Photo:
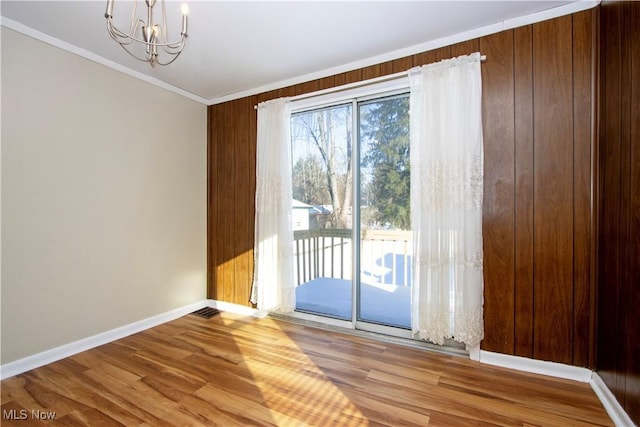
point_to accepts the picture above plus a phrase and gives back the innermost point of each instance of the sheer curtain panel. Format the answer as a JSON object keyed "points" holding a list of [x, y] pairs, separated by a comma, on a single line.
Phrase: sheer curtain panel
{"points": [[446, 154], [273, 287]]}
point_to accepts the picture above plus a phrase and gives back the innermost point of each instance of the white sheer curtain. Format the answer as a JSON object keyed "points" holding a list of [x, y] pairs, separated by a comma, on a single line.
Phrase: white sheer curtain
{"points": [[273, 287], [446, 200]]}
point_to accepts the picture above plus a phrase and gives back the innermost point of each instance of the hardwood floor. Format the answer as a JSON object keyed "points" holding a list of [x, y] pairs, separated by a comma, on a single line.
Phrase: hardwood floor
{"points": [[234, 370]]}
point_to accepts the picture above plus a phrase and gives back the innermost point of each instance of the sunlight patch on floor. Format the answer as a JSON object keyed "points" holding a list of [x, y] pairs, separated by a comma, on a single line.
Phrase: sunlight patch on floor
{"points": [[296, 382]]}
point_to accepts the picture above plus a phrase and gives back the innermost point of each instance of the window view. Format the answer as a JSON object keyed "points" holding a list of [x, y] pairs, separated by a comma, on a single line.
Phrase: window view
{"points": [[325, 169], [322, 210], [385, 212]]}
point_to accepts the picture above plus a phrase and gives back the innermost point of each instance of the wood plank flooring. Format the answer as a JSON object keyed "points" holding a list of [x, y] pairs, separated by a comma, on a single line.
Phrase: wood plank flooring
{"points": [[233, 370]]}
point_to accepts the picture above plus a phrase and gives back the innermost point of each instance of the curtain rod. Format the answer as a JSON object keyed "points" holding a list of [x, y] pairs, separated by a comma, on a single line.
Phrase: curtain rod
{"points": [[348, 86]]}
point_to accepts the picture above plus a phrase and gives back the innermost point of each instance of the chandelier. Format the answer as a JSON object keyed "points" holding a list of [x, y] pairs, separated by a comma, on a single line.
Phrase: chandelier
{"points": [[147, 41]]}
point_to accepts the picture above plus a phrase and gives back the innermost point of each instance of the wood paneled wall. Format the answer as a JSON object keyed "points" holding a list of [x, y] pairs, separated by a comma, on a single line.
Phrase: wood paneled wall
{"points": [[618, 361], [538, 108], [538, 132]]}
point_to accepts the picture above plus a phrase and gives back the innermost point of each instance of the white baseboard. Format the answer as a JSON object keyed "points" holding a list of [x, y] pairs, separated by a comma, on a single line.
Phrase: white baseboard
{"points": [[542, 367], [610, 403], [559, 370], [31, 362]]}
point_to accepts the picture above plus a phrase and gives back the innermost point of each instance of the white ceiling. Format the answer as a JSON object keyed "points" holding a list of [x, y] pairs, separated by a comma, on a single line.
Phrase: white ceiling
{"points": [[243, 47]]}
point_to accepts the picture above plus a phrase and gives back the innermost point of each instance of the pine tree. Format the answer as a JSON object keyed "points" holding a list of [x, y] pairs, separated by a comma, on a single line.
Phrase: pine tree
{"points": [[385, 126]]}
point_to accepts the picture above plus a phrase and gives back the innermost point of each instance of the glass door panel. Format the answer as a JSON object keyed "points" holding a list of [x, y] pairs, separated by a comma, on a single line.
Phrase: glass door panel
{"points": [[321, 148], [384, 288]]}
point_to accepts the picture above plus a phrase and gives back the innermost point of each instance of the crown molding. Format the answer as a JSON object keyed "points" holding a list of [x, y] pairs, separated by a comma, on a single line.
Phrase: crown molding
{"points": [[544, 15], [45, 38]]}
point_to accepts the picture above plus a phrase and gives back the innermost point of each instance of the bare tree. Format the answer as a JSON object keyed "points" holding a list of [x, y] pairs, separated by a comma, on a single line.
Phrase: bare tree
{"points": [[335, 153], [310, 182]]}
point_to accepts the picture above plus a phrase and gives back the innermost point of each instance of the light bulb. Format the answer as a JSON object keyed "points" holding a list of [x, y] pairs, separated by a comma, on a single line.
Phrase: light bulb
{"points": [[185, 12]]}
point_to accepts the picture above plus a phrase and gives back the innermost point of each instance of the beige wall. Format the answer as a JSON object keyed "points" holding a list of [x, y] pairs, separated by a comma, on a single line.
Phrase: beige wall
{"points": [[103, 198]]}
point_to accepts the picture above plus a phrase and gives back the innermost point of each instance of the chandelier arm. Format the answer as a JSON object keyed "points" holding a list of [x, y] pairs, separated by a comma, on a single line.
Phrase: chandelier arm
{"points": [[163, 33], [120, 36], [173, 54], [145, 59], [122, 41], [120, 33], [173, 50], [173, 58]]}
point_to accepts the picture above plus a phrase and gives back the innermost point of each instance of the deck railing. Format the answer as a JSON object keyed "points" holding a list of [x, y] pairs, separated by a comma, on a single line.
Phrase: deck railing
{"points": [[385, 255], [321, 253]]}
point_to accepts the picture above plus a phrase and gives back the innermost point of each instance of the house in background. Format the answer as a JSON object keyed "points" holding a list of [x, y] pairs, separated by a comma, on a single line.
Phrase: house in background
{"points": [[300, 215], [308, 217], [106, 219]]}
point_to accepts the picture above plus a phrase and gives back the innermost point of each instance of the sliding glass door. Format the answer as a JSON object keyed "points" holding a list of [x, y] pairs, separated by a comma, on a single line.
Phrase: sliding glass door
{"points": [[384, 291], [351, 213], [323, 210]]}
